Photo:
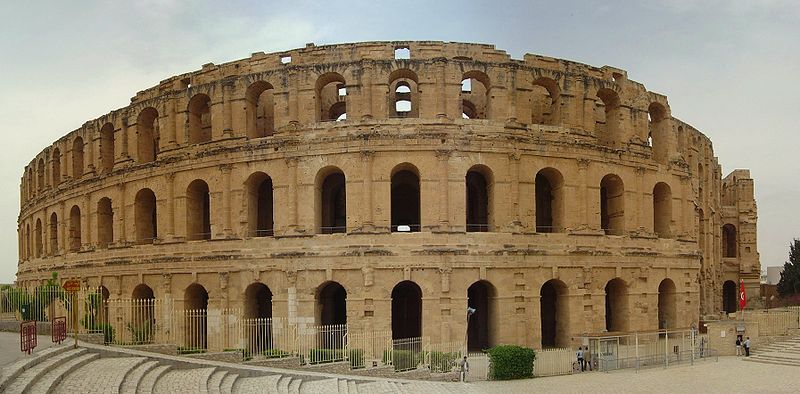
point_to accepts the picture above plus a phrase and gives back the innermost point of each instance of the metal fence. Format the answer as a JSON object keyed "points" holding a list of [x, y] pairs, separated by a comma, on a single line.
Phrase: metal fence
{"points": [[551, 362], [642, 350]]}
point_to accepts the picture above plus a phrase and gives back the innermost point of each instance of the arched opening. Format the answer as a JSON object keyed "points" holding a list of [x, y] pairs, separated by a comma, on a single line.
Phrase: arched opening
{"points": [[667, 315], [406, 310], [38, 238], [198, 213], [196, 317], [77, 158], [142, 326], [331, 96], [331, 201], [549, 201], [662, 210], [260, 205], [730, 297], [147, 135], [612, 205], [405, 199], [74, 228], [145, 216], [56, 164], [107, 147], [545, 101], [260, 110], [475, 94], [331, 304], [199, 119], [28, 241], [479, 197], [658, 131], [729, 248], [258, 315], [403, 94], [480, 323], [105, 223], [103, 310], [53, 232], [607, 116], [554, 309], [40, 176], [616, 305]]}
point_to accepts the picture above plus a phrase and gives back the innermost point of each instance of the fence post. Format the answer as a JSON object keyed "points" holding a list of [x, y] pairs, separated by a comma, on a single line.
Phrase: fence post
{"points": [[691, 340], [666, 348], [636, 341]]}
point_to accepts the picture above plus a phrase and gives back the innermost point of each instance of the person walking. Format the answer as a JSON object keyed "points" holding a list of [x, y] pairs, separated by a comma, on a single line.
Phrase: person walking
{"points": [[464, 364], [747, 347], [739, 345], [580, 358]]}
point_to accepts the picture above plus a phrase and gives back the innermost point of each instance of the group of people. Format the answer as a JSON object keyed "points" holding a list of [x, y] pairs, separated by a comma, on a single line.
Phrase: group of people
{"points": [[742, 344], [582, 356]]}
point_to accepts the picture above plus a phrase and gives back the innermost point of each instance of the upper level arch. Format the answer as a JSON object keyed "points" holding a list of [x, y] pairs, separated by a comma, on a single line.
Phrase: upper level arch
{"points": [[199, 119], [260, 109], [607, 116], [403, 96], [475, 95], [107, 147], [148, 135], [331, 97], [545, 101]]}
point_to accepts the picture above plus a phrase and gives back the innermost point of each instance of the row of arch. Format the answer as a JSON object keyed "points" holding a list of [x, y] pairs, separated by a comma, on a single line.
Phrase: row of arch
{"points": [[330, 98], [331, 208], [556, 325]]}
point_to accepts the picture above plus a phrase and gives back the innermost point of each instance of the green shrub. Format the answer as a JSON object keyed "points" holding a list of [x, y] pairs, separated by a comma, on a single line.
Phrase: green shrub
{"points": [[444, 362], [316, 356], [403, 360], [356, 358], [190, 350], [274, 353], [510, 362]]}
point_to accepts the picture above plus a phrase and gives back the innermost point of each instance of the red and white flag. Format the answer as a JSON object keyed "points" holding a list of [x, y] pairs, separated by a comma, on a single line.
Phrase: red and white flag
{"points": [[742, 295]]}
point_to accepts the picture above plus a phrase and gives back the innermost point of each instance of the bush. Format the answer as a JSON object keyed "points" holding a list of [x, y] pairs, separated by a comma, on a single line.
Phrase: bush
{"points": [[510, 362], [317, 356], [443, 362], [190, 350], [356, 358], [274, 353], [403, 360]]}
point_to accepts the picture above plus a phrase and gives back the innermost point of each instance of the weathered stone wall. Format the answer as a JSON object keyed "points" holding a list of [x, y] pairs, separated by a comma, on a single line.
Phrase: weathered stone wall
{"points": [[225, 124]]}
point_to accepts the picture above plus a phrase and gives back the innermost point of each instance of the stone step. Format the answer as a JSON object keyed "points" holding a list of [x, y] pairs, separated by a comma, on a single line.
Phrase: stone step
{"points": [[258, 384], [54, 376], [10, 372], [25, 379], [215, 382], [379, 387], [342, 384], [226, 385], [194, 380], [352, 387], [148, 382], [320, 386], [773, 362], [294, 386], [131, 381], [104, 375], [283, 384]]}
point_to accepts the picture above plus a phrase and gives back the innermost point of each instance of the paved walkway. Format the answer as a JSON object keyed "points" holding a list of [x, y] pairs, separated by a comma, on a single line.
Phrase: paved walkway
{"points": [[9, 347]]}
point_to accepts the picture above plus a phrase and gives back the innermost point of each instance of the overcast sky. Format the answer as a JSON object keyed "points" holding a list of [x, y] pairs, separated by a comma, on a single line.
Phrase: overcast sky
{"points": [[729, 68]]}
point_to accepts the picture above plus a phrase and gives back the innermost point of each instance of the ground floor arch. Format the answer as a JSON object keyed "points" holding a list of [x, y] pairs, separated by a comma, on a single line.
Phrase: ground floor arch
{"points": [[667, 314], [195, 301], [258, 317], [616, 294], [331, 304], [729, 296], [406, 310], [481, 297], [554, 312], [142, 314]]}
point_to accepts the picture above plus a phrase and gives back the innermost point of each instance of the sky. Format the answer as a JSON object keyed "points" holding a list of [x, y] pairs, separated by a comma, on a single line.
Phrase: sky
{"points": [[729, 68]]}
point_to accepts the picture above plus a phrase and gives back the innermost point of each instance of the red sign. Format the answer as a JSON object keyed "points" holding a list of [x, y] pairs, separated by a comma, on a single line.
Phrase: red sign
{"points": [[72, 285], [59, 329], [742, 295], [27, 336]]}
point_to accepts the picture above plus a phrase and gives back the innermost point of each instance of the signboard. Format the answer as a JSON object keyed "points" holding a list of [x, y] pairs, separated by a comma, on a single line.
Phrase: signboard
{"points": [[59, 329], [27, 336], [72, 286]]}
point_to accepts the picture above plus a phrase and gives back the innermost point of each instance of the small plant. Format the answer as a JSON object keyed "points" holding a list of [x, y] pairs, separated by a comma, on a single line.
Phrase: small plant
{"points": [[190, 350], [141, 332], [510, 362], [274, 353], [356, 358]]}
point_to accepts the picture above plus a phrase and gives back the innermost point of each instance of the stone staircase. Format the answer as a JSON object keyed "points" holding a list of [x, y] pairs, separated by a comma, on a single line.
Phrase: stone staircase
{"points": [[62, 370], [784, 352]]}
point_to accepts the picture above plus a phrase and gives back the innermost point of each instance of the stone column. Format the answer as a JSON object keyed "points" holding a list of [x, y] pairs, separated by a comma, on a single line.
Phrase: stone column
{"points": [[227, 93], [227, 228], [291, 204], [443, 157], [583, 194], [170, 214], [639, 217], [171, 124], [514, 167], [86, 223], [441, 89], [368, 223]]}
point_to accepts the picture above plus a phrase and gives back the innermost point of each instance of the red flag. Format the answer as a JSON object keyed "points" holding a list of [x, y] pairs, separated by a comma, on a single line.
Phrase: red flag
{"points": [[742, 295]]}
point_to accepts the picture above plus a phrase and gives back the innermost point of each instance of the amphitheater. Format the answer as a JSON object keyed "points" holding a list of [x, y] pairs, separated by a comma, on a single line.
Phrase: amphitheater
{"points": [[390, 185]]}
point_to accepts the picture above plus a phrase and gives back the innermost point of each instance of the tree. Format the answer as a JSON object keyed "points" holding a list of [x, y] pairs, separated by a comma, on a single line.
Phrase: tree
{"points": [[790, 277]]}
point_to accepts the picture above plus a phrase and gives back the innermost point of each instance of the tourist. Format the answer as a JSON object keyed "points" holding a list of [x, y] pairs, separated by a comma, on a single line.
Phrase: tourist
{"points": [[464, 369], [580, 358], [747, 347], [739, 345]]}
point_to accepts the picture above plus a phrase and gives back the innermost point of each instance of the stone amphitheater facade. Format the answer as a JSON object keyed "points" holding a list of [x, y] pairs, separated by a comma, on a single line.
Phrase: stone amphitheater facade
{"points": [[390, 185]]}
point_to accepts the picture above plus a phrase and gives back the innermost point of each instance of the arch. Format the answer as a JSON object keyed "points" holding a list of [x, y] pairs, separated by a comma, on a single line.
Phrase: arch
{"points": [[196, 316], [331, 200], [545, 101], [147, 135], [40, 175], [56, 165], [481, 324], [53, 232], [107, 147], [198, 211], [145, 216], [28, 241], [549, 201], [258, 315], [142, 292], [405, 198], [331, 96], [616, 305], [612, 205], [554, 312], [657, 128], [662, 210], [260, 109], [403, 94], [607, 113], [667, 314], [259, 205], [475, 97], [406, 310], [143, 317], [75, 228], [331, 304], [479, 187], [105, 223], [729, 241], [199, 112], [38, 238], [77, 158], [730, 297]]}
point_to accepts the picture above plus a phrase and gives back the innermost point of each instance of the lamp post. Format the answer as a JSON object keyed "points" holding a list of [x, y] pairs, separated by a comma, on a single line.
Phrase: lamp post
{"points": [[470, 312]]}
